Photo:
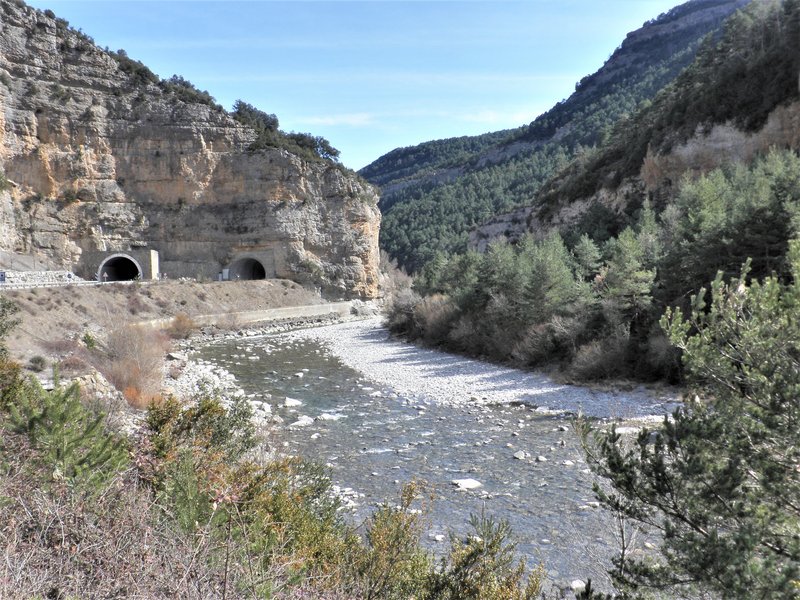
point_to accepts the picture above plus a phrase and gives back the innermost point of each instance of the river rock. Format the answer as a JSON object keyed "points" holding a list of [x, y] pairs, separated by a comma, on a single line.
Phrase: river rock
{"points": [[541, 459], [577, 586], [303, 421], [521, 455], [467, 484], [291, 403], [329, 417]]}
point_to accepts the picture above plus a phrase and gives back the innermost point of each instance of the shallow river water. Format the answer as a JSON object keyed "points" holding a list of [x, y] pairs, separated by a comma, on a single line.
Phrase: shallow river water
{"points": [[375, 439]]}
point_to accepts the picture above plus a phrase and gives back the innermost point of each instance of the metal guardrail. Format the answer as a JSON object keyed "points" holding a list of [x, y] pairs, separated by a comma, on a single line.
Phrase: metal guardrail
{"points": [[24, 286]]}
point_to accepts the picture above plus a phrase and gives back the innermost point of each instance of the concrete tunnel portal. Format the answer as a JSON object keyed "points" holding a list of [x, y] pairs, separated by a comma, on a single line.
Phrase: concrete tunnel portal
{"points": [[247, 269], [119, 267]]}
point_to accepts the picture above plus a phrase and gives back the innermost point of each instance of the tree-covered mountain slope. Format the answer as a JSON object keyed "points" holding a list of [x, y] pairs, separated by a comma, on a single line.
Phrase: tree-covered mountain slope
{"points": [[435, 193], [702, 183], [737, 100]]}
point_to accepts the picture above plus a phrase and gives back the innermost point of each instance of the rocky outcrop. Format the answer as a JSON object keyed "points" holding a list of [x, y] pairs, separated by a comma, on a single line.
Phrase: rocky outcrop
{"points": [[97, 157]]}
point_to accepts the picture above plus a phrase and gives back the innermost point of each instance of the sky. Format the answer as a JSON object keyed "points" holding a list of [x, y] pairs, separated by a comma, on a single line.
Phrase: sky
{"points": [[371, 75]]}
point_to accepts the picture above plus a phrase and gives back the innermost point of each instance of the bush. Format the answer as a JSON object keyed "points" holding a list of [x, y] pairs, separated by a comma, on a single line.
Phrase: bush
{"points": [[69, 440], [37, 363], [433, 317], [181, 327], [132, 361], [392, 565], [482, 567]]}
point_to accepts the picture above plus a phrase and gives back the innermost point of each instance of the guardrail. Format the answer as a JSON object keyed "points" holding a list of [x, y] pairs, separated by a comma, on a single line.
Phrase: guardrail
{"points": [[24, 286]]}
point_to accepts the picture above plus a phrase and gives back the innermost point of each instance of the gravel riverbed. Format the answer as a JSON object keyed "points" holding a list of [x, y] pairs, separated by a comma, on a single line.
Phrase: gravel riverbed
{"points": [[379, 412], [455, 380]]}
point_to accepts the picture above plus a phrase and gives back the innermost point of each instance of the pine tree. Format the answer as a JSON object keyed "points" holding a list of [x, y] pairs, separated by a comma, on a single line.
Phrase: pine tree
{"points": [[721, 480], [70, 439]]}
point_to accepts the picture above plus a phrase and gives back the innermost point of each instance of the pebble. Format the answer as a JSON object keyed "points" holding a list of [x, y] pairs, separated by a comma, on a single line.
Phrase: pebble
{"points": [[303, 421], [467, 484]]}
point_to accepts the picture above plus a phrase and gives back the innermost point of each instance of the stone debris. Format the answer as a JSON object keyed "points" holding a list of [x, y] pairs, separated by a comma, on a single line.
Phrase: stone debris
{"points": [[467, 484]]}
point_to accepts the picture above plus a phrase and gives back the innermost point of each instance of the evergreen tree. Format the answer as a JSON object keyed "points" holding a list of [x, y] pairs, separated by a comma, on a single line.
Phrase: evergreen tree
{"points": [[721, 480]]}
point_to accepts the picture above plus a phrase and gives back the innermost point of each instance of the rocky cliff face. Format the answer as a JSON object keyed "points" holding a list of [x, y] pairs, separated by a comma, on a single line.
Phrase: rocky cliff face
{"points": [[98, 159]]}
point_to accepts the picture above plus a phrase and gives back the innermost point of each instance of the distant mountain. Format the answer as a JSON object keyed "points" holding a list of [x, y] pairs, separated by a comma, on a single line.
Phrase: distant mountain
{"points": [[736, 101], [695, 184], [436, 192]]}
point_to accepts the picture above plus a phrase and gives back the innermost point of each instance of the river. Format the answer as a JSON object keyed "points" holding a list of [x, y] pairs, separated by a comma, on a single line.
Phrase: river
{"points": [[381, 413]]}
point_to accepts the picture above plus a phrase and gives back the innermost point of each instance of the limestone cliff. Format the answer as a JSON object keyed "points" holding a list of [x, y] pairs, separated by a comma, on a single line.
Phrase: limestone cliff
{"points": [[98, 158]]}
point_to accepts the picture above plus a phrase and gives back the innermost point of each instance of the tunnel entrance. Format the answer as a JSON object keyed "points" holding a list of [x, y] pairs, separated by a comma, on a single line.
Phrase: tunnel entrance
{"points": [[119, 268], [246, 269]]}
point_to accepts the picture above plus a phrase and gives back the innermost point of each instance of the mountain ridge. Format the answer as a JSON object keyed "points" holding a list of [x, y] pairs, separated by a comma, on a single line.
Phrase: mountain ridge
{"points": [[505, 169]]}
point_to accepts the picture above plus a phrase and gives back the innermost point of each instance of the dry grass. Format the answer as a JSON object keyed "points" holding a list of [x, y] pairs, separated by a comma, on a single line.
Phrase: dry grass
{"points": [[181, 327], [132, 362]]}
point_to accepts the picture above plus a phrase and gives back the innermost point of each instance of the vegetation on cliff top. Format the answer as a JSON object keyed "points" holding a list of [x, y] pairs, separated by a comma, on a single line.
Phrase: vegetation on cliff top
{"points": [[139, 77]]}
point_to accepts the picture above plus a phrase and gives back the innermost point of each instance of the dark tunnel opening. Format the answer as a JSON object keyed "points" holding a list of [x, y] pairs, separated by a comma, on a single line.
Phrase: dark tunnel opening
{"points": [[119, 268], [247, 268]]}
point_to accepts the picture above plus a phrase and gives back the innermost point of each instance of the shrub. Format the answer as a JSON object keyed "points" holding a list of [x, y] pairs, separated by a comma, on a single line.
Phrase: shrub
{"points": [[132, 362], [89, 341], [600, 359], [482, 567], [433, 317], [181, 327], [37, 363], [70, 440], [392, 565]]}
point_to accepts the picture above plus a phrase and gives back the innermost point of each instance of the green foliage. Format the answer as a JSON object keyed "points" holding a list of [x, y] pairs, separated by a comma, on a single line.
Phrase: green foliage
{"points": [[435, 193], [8, 308], [721, 479], [138, 73], [392, 565], [185, 91], [483, 567], [593, 311], [729, 215], [89, 341], [70, 440], [269, 136], [37, 363]]}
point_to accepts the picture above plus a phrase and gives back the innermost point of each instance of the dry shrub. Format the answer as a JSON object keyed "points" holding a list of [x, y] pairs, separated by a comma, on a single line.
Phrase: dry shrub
{"points": [[135, 303], [60, 347], [536, 346], [181, 327], [433, 317], [133, 360], [393, 279], [400, 312], [600, 359]]}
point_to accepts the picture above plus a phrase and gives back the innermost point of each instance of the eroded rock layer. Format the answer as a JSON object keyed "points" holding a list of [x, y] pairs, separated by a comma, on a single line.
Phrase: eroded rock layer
{"points": [[97, 158]]}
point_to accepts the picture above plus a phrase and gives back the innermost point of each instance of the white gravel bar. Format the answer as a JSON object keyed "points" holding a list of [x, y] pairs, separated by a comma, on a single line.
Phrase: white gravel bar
{"points": [[426, 375]]}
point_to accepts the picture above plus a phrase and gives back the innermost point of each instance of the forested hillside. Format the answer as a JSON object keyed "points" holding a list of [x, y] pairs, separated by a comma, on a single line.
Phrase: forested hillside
{"points": [[591, 300], [434, 193]]}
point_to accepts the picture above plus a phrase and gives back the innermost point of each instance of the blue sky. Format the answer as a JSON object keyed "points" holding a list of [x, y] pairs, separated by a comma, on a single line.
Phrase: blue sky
{"points": [[374, 75]]}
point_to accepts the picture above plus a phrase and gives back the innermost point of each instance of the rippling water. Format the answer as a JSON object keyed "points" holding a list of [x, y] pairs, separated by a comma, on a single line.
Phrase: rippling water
{"points": [[374, 441]]}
